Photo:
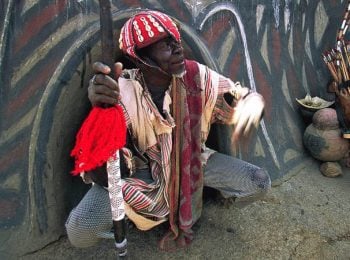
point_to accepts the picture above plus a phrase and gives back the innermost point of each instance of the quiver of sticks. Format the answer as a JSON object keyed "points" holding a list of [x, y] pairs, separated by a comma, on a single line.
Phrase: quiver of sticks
{"points": [[337, 60], [342, 105]]}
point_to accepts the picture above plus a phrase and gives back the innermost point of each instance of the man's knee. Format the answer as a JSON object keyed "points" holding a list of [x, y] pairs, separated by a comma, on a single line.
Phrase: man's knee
{"points": [[79, 235], [261, 185], [262, 180]]}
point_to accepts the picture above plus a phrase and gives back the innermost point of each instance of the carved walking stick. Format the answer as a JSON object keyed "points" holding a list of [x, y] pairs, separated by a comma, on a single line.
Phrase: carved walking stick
{"points": [[101, 136]]}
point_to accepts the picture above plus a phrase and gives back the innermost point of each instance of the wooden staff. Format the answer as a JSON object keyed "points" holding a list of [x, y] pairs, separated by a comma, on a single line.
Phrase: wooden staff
{"points": [[107, 39], [108, 44]]}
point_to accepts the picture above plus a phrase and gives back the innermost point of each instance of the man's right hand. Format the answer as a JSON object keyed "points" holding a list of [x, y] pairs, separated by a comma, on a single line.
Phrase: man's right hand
{"points": [[103, 89]]}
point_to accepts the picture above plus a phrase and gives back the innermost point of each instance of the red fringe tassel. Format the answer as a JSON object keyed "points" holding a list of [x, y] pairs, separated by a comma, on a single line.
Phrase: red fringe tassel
{"points": [[101, 135]]}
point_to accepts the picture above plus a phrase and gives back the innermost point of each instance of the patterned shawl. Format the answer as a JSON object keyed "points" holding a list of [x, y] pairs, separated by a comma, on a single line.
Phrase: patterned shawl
{"points": [[186, 186]]}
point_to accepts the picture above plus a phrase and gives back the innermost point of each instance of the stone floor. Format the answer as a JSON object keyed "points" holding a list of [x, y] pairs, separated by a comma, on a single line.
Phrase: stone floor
{"points": [[303, 217]]}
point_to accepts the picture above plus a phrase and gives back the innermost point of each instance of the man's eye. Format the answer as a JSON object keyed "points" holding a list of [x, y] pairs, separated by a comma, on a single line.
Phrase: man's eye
{"points": [[164, 45], [169, 42]]}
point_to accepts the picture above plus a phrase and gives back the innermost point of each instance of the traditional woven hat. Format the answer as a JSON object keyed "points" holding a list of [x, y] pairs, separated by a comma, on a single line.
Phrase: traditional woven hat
{"points": [[145, 28]]}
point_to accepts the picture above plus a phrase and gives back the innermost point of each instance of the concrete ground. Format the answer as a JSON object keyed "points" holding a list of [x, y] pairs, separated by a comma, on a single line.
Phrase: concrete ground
{"points": [[303, 217]]}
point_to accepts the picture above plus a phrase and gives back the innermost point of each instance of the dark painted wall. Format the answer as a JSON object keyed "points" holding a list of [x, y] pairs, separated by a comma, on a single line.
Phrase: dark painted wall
{"points": [[47, 48]]}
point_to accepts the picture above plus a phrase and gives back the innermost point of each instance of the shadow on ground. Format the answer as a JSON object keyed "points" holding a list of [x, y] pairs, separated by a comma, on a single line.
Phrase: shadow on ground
{"points": [[304, 217]]}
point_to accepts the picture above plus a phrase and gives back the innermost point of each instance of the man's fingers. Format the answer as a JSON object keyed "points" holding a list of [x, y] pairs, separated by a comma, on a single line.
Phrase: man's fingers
{"points": [[238, 112], [99, 67], [102, 99], [101, 79], [106, 91], [237, 122], [249, 126], [245, 123], [118, 68], [101, 94], [253, 122], [99, 100], [103, 89], [240, 126]]}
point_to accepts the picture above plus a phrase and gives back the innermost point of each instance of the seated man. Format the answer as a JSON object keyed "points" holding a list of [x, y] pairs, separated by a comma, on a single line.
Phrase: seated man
{"points": [[167, 99]]}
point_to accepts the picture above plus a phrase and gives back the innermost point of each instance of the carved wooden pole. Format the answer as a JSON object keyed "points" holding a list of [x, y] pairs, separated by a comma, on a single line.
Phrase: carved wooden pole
{"points": [[114, 180]]}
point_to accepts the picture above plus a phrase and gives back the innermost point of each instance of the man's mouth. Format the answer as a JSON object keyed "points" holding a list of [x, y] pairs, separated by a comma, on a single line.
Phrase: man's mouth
{"points": [[179, 62]]}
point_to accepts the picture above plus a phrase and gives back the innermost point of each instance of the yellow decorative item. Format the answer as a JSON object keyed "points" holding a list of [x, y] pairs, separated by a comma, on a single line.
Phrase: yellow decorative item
{"points": [[314, 103], [141, 222]]}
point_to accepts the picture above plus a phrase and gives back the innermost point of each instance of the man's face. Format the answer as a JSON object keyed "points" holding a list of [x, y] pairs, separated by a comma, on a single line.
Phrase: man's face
{"points": [[168, 55]]}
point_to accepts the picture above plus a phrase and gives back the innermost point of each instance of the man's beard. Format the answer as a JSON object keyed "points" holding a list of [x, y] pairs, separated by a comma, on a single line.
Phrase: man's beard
{"points": [[180, 75]]}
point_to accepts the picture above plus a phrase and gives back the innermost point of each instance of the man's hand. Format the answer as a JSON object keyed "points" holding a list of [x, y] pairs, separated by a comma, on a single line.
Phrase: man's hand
{"points": [[248, 113], [103, 89]]}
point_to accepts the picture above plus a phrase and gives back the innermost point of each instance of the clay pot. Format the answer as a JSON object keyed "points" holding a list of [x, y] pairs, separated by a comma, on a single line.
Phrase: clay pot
{"points": [[310, 105], [323, 138]]}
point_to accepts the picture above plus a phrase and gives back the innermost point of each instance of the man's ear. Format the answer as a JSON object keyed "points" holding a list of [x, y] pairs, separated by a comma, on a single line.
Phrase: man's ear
{"points": [[144, 55], [149, 61]]}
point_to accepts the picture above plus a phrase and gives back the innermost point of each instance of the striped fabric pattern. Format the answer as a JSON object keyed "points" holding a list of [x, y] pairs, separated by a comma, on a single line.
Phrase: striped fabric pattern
{"points": [[152, 200]]}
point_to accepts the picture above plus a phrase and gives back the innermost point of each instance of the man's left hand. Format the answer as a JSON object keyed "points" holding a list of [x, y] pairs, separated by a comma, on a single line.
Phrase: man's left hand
{"points": [[247, 116]]}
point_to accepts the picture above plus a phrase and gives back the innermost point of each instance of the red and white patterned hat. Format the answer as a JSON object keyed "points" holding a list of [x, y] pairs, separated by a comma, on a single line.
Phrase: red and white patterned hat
{"points": [[145, 28]]}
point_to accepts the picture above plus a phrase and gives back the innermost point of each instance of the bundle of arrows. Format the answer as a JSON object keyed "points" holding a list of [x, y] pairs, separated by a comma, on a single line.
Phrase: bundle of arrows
{"points": [[338, 59]]}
